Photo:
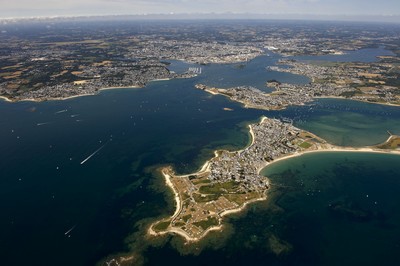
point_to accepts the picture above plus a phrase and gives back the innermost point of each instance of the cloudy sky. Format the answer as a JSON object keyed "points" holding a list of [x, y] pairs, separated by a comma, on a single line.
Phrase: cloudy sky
{"points": [[28, 8]]}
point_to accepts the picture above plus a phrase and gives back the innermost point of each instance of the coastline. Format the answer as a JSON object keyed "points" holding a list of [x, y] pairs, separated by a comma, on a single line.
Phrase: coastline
{"points": [[206, 165], [324, 147], [249, 105], [5, 99], [68, 97], [177, 198], [334, 149], [252, 106], [244, 104], [178, 202], [358, 100], [77, 95]]}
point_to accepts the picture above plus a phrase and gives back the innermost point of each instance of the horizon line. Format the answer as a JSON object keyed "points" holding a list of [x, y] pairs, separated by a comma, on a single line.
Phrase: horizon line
{"points": [[393, 18]]}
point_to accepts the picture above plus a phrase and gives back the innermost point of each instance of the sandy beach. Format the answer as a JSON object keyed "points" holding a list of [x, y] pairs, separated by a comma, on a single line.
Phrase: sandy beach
{"points": [[206, 165], [178, 201], [5, 99], [326, 148], [74, 96], [358, 100], [177, 211], [177, 198], [336, 149], [179, 207], [241, 208], [183, 233]]}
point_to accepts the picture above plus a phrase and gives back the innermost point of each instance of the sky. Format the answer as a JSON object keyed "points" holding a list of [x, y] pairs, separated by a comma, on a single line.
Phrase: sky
{"points": [[34, 8]]}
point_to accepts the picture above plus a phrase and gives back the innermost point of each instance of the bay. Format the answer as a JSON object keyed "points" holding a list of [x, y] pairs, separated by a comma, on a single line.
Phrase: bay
{"points": [[58, 210], [366, 55], [324, 208]]}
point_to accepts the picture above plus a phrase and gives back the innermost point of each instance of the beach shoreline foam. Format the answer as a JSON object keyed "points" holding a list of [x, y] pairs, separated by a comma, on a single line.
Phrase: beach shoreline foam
{"points": [[174, 182]]}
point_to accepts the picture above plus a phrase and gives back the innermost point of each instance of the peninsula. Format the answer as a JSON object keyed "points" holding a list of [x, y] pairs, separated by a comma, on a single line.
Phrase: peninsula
{"points": [[231, 180], [285, 94], [56, 64], [68, 60], [376, 82]]}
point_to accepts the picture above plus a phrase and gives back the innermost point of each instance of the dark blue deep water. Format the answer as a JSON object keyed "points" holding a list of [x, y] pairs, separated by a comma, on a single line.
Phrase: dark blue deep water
{"points": [[324, 208], [57, 211]]}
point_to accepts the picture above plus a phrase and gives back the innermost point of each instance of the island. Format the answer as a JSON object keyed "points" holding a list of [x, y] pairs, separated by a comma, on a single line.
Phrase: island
{"points": [[231, 180]]}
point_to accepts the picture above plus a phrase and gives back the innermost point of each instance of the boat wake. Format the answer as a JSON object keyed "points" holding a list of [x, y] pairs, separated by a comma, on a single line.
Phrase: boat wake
{"points": [[94, 153], [62, 111], [69, 231], [42, 124]]}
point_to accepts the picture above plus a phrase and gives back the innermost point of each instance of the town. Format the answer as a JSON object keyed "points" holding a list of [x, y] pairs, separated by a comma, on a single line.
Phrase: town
{"points": [[284, 95], [230, 180], [42, 62], [376, 82]]}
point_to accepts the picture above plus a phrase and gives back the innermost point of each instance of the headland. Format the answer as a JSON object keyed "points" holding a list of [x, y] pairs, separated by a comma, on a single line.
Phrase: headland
{"points": [[231, 180]]}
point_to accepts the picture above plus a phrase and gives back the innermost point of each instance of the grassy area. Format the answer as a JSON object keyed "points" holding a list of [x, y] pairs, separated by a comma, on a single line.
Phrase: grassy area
{"points": [[185, 204], [179, 224], [394, 143], [242, 198], [201, 181], [186, 217], [305, 145], [161, 226], [206, 198], [211, 221], [219, 188], [350, 93], [5, 74], [185, 196]]}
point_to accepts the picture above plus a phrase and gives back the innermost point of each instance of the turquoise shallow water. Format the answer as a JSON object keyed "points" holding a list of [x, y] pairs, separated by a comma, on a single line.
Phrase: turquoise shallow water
{"points": [[346, 123], [323, 209], [56, 210], [341, 207]]}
